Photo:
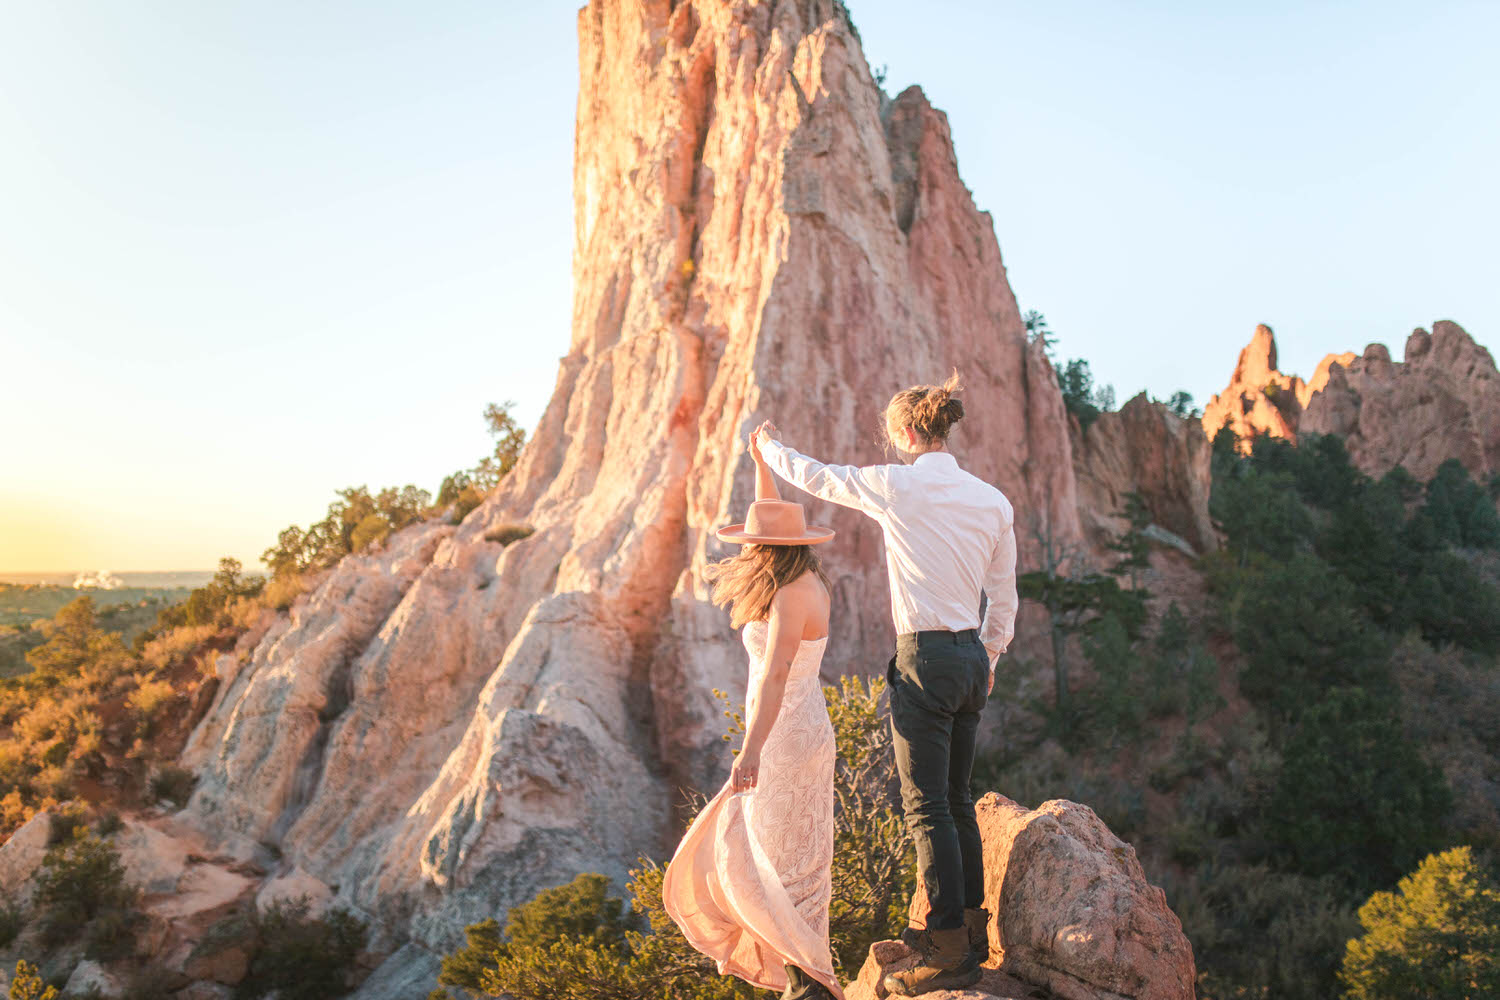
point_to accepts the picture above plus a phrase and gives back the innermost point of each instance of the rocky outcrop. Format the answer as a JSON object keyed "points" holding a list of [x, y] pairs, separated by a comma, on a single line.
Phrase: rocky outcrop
{"points": [[1143, 448], [1259, 398], [442, 727], [189, 897], [1071, 911], [1442, 402]]}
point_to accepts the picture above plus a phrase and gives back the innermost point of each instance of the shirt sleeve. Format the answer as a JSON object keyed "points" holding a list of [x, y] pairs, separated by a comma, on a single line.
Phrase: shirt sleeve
{"points": [[1000, 587], [864, 488]]}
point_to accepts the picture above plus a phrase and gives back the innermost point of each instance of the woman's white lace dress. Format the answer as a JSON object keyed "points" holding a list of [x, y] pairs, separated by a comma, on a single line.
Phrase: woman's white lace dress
{"points": [[750, 882]]}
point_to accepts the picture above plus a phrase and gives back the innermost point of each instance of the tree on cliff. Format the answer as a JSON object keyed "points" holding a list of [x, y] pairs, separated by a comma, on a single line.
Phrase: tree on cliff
{"points": [[1078, 600], [467, 488]]}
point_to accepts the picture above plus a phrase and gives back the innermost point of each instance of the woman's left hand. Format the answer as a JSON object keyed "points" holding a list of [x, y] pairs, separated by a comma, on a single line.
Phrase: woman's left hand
{"points": [[746, 771]]}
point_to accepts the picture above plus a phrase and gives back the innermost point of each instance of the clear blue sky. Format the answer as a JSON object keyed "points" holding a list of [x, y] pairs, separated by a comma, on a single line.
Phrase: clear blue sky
{"points": [[254, 252]]}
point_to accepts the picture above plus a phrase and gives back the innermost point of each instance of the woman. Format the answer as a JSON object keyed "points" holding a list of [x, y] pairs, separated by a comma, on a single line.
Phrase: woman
{"points": [[750, 883]]}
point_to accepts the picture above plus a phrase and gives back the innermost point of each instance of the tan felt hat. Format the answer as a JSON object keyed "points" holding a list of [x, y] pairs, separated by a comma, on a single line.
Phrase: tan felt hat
{"points": [[775, 522]]}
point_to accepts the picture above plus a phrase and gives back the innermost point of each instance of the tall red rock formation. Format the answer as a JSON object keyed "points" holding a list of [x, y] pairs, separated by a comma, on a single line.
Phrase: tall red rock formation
{"points": [[1442, 402], [474, 712]]}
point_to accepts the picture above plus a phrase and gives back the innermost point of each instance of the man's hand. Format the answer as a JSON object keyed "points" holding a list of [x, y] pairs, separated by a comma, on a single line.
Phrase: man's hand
{"points": [[765, 432], [746, 771]]}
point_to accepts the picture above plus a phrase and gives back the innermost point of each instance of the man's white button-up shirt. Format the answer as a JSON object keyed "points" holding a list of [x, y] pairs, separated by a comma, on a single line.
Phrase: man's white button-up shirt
{"points": [[948, 534]]}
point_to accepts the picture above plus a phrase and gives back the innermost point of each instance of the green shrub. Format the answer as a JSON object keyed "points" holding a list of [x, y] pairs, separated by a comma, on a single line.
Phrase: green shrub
{"points": [[1437, 936], [64, 822], [874, 860], [303, 957], [80, 884], [172, 783], [12, 920]]}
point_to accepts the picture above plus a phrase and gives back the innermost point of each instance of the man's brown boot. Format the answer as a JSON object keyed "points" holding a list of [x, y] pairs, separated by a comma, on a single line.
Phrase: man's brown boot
{"points": [[944, 965], [976, 922]]}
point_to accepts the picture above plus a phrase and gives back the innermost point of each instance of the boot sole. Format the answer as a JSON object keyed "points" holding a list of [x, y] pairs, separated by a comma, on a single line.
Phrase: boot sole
{"points": [[955, 980]]}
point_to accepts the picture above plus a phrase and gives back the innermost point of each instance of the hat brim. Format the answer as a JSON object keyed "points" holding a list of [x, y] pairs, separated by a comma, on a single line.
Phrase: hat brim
{"points": [[736, 533]]}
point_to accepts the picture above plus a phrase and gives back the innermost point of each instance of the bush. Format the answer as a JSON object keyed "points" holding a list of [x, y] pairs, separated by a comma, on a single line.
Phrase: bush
{"points": [[282, 590], [303, 957], [81, 884], [150, 696], [172, 783], [1262, 933], [1437, 936], [508, 532], [28, 984], [12, 920]]}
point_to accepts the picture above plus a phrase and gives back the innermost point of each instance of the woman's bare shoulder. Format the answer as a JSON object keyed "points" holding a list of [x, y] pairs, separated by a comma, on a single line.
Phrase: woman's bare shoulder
{"points": [[805, 599]]}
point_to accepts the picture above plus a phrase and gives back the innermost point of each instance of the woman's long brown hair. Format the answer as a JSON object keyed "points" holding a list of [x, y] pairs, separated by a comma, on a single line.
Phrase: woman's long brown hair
{"points": [[748, 581]]}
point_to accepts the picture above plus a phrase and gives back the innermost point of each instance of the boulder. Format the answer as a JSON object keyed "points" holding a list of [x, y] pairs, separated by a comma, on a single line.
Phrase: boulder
{"points": [[89, 978], [1071, 909], [21, 855]]}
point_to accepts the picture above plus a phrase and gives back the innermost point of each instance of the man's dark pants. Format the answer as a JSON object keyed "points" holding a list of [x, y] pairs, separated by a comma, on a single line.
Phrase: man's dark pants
{"points": [[939, 684]]}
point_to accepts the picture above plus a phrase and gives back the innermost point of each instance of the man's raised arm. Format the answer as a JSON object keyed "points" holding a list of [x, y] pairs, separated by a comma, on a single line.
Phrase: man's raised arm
{"points": [[862, 487]]}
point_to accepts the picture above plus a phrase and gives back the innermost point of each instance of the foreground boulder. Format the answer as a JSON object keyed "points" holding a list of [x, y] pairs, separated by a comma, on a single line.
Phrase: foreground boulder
{"points": [[1072, 914]]}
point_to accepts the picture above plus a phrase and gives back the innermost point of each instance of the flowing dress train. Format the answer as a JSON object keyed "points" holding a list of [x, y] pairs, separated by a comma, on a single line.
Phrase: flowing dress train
{"points": [[750, 883]]}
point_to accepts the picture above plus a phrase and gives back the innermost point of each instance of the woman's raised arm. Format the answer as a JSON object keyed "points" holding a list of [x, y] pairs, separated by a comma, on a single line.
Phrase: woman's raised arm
{"points": [[765, 480]]}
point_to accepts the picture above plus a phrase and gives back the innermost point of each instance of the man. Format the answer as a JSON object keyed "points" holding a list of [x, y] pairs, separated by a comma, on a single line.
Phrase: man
{"points": [[948, 536]]}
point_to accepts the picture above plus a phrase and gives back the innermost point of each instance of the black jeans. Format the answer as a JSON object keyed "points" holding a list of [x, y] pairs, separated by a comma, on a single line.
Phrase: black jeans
{"points": [[939, 685]]}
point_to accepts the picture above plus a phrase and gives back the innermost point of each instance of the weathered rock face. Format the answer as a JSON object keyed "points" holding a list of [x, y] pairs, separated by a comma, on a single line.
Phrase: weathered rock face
{"points": [[1443, 402], [440, 728], [1070, 908], [1143, 448], [185, 891]]}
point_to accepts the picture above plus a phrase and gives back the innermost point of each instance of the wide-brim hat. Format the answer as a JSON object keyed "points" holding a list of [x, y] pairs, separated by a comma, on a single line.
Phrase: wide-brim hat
{"points": [[775, 522]]}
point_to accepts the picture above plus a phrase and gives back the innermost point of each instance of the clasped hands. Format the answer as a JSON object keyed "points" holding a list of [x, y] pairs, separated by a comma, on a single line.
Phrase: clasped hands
{"points": [[765, 432]]}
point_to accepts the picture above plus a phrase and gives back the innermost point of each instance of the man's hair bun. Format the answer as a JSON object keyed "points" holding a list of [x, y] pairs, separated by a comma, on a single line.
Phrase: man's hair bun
{"points": [[930, 410]]}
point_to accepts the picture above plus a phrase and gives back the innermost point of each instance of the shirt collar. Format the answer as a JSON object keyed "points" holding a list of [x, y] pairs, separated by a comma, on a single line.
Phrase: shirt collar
{"points": [[937, 458]]}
